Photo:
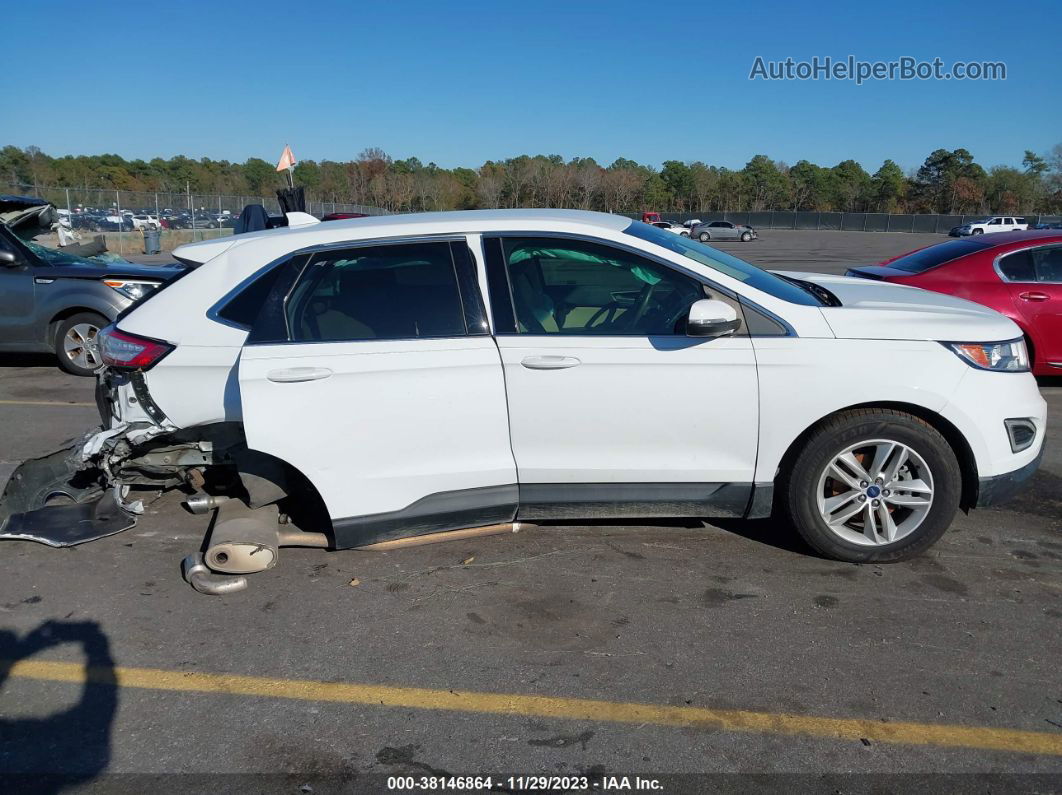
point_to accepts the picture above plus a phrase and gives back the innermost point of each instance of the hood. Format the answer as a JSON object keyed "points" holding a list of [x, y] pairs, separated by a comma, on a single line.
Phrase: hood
{"points": [[886, 311]]}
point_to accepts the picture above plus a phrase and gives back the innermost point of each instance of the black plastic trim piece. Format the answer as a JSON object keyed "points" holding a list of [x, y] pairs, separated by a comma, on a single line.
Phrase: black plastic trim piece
{"points": [[762, 501], [147, 403], [632, 500], [436, 513], [1000, 488]]}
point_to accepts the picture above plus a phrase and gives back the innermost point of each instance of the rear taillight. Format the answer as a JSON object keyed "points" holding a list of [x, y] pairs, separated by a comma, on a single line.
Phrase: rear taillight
{"points": [[129, 351]]}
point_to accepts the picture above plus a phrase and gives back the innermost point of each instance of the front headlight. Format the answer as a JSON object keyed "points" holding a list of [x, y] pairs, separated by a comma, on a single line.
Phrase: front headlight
{"points": [[134, 289], [1004, 357]]}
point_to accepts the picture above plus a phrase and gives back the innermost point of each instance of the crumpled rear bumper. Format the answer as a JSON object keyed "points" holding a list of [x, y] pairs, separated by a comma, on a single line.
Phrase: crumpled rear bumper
{"points": [[56, 500]]}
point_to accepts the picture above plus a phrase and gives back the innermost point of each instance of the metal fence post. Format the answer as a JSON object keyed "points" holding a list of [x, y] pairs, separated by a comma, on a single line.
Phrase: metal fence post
{"points": [[121, 232]]}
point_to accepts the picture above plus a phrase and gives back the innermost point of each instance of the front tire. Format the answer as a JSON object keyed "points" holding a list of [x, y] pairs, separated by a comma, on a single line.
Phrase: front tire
{"points": [[75, 343], [746, 237], [978, 232], [873, 486]]}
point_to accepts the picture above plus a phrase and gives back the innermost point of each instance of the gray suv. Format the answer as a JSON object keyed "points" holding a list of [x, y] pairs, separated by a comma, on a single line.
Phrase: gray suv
{"points": [[52, 301]]}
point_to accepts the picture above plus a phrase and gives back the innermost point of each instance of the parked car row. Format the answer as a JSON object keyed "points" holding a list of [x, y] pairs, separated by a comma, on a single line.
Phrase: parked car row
{"points": [[96, 220], [607, 369], [714, 230]]}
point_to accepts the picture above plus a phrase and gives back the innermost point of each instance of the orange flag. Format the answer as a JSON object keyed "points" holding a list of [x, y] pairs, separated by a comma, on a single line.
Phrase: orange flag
{"points": [[287, 160]]}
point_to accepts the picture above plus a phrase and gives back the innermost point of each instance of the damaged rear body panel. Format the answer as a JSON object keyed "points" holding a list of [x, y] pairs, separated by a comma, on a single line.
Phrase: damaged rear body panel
{"points": [[82, 492], [91, 487]]}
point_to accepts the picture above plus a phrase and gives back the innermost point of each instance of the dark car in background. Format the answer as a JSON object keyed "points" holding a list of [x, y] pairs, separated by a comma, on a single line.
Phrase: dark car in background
{"points": [[1019, 274], [55, 302]]}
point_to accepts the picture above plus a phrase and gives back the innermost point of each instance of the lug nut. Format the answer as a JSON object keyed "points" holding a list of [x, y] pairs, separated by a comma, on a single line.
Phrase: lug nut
{"points": [[886, 492], [879, 481], [862, 497], [863, 484], [876, 503]]}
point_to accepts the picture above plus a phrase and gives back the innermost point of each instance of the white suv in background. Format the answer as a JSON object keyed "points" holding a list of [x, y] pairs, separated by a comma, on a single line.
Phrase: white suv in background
{"points": [[410, 374], [998, 223], [146, 222]]}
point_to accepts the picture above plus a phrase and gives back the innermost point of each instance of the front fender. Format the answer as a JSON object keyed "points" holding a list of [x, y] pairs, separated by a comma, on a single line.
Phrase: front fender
{"points": [[63, 297]]}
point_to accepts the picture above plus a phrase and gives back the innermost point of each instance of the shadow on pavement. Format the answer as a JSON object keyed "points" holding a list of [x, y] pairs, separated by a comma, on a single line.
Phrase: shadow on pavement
{"points": [[28, 360], [67, 748]]}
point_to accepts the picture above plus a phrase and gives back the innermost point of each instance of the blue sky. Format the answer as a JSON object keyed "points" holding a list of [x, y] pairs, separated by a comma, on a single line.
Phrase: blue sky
{"points": [[459, 83]]}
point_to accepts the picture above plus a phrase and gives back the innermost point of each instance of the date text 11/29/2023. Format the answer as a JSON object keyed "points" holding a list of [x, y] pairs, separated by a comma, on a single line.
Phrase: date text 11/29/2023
{"points": [[521, 783]]}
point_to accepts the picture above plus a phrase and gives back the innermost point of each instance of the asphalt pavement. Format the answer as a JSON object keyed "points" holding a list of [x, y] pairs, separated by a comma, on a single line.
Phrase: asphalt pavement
{"points": [[677, 650]]}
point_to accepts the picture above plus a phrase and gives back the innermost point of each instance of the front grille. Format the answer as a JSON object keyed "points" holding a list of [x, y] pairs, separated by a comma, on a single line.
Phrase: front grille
{"points": [[1021, 433]]}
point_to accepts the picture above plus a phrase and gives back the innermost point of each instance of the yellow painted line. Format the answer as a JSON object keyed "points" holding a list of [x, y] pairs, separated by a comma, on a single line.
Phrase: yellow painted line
{"points": [[730, 720], [43, 403]]}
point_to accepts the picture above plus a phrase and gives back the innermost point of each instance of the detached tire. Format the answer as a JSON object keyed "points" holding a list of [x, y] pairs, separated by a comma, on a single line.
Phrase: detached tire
{"points": [[872, 486], [75, 343]]}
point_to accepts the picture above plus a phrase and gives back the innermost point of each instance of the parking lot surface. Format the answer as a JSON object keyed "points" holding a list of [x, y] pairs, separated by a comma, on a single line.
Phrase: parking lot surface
{"points": [[570, 650]]}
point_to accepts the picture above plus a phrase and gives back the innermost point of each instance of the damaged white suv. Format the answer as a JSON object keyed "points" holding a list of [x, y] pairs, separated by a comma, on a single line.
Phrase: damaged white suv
{"points": [[347, 383]]}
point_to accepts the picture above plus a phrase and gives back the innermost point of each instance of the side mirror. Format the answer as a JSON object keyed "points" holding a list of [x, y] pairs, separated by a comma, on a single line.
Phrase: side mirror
{"points": [[8, 259], [711, 318]]}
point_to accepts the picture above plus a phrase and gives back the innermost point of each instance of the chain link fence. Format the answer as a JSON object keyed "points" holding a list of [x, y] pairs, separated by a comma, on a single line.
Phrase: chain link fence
{"points": [[845, 222], [187, 216]]}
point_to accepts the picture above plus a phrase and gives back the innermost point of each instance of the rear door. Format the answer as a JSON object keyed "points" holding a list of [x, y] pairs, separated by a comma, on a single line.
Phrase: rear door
{"points": [[371, 369], [1034, 277]]}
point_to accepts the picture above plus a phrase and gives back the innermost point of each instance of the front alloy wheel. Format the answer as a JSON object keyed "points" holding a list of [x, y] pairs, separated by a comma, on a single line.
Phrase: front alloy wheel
{"points": [[872, 485], [875, 493]]}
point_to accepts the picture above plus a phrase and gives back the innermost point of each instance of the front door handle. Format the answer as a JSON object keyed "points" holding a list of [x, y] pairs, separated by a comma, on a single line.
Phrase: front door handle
{"points": [[549, 362], [294, 375], [1033, 296]]}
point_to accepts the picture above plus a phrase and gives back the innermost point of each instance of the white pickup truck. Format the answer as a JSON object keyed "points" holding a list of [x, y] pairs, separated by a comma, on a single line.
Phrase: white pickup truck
{"points": [[997, 223]]}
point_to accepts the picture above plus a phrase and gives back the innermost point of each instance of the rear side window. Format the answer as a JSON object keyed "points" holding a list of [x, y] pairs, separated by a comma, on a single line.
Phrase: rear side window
{"points": [[1042, 264], [932, 256], [1018, 267]]}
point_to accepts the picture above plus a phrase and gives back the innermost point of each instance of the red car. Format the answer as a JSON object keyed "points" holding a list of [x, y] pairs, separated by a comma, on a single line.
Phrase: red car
{"points": [[1019, 274]]}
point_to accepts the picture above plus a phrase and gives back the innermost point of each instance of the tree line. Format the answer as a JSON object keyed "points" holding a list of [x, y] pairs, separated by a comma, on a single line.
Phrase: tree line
{"points": [[947, 182]]}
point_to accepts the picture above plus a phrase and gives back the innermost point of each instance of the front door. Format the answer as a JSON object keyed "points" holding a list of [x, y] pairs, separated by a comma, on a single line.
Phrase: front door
{"points": [[371, 370], [16, 299], [613, 410]]}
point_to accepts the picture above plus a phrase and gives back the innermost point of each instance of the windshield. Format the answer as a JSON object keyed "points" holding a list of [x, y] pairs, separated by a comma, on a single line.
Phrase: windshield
{"points": [[724, 263], [930, 257]]}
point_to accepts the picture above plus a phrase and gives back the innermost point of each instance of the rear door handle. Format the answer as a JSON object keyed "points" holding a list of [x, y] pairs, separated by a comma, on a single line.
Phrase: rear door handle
{"points": [[294, 375], [549, 362], [1033, 296]]}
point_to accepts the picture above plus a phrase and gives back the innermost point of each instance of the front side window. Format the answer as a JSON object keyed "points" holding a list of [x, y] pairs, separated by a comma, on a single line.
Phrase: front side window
{"points": [[562, 286]]}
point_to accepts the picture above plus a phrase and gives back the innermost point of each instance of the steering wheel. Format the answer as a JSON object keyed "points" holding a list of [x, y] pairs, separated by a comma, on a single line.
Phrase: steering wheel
{"points": [[637, 312]]}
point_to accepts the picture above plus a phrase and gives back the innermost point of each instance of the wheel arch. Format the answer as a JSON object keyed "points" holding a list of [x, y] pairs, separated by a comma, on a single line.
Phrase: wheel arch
{"points": [[66, 313], [952, 435], [268, 479]]}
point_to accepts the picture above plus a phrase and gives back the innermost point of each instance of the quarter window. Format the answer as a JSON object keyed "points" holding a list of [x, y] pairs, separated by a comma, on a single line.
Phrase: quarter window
{"points": [[562, 286]]}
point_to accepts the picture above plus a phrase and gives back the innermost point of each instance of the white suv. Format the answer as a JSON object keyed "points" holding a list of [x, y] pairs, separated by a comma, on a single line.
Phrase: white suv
{"points": [[386, 377], [999, 223]]}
